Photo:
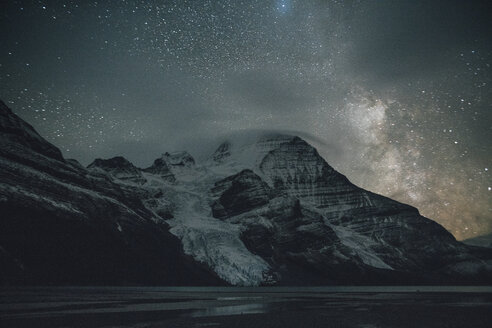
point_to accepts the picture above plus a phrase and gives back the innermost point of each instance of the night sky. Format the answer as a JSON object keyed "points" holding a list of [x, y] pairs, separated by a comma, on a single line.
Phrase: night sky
{"points": [[397, 95]]}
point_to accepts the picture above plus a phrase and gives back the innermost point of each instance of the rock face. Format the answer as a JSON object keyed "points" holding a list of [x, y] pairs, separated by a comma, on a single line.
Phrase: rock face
{"points": [[63, 224], [395, 231], [222, 152], [239, 193], [17, 133], [297, 244], [262, 210], [178, 159], [325, 229], [119, 168], [160, 168]]}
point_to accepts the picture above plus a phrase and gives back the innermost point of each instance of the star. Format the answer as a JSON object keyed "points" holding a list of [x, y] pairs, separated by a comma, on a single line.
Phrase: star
{"points": [[396, 112]]}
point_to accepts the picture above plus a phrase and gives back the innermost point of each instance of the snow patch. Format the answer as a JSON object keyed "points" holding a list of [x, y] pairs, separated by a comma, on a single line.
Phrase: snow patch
{"points": [[207, 239], [361, 245]]}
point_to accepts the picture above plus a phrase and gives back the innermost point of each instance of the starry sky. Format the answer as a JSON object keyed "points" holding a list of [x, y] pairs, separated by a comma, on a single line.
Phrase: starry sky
{"points": [[397, 95]]}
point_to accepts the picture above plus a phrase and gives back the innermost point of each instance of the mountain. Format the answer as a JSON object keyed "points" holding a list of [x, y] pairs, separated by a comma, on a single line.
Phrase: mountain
{"points": [[161, 168], [265, 209], [63, 224], [302, 222], [118, 168]]}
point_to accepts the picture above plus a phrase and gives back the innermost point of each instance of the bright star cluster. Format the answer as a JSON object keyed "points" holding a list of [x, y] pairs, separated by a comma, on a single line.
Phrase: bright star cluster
{"points": [[397, 95]]}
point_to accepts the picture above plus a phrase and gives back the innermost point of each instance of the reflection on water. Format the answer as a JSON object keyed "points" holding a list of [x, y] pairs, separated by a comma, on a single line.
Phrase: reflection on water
{"points": [[130, 307], [231, 310], [236, 298]]}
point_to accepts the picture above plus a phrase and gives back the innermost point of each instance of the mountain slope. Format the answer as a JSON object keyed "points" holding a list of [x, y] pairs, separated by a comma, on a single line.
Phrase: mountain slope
{"points": [[62, 224], [375, 239]]}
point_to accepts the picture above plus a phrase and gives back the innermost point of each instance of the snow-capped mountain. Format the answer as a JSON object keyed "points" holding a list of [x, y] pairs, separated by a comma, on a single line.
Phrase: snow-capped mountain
{"points": [[63, 224], [161, 168], [262, 209]]}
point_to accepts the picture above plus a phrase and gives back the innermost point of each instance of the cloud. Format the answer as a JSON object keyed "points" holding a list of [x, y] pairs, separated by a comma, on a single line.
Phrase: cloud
{"points": [[265, 91]]}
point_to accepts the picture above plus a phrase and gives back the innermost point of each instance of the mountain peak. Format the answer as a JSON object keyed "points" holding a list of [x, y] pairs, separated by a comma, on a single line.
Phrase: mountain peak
{"points": [[161, 168], [16, 132], [180, 158], [111, 163], [222, 152], [247, 149], [118, 167]]}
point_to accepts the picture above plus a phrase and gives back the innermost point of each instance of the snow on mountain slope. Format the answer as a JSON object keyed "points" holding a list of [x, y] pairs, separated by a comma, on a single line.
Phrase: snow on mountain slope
{"points": [[208, 240], [268, 209], [361, 245], [290, 165], [264, 208], [244, 152], [63, 224]]}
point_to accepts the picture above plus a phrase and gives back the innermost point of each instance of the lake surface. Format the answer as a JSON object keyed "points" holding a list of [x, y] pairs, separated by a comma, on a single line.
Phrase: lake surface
{"points": [[364, 307]]}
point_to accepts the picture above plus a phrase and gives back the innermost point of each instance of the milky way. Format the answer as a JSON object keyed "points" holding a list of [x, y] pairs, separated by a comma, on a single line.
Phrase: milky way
{"points": [[397, 95]]}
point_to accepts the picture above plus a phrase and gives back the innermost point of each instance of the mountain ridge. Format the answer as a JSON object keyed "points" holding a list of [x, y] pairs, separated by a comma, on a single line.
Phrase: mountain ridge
{"points": [[258, 211], [62, 224]]}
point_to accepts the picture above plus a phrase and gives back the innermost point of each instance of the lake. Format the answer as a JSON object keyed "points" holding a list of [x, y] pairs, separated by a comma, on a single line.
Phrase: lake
{"points": [[334, 306]]}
